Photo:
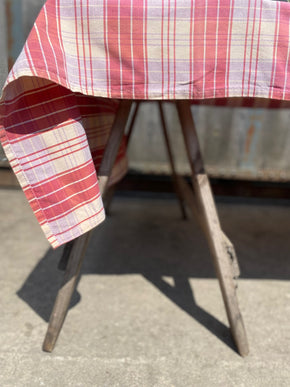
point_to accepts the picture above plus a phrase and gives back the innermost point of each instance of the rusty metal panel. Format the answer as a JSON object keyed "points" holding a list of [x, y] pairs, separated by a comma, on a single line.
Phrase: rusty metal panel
{"points": [[16, 20], [15, 38], [245, 143], [20, 15], [3, 58], [30, 11], [236, 143], [3, 45]]}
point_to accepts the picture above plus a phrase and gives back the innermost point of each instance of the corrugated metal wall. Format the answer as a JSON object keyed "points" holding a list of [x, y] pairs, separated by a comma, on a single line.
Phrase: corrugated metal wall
{"points": [[3, 45], [236, 142], [3, 56], [16, 20]]}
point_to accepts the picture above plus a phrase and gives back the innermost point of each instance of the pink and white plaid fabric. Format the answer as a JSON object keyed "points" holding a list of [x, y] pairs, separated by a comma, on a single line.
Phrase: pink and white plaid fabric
{"points": [[54, 130]]}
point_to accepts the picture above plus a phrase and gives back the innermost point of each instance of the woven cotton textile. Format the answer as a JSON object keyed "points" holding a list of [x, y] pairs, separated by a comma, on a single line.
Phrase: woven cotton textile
{"points": [[54, 129]]}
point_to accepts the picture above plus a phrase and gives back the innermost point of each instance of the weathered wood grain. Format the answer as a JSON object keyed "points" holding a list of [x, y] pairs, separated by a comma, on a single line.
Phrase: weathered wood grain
{"points": [[213, 229]]}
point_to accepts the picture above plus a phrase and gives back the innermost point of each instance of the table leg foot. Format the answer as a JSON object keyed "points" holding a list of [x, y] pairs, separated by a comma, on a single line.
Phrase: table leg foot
{"points": [[65, 293]]}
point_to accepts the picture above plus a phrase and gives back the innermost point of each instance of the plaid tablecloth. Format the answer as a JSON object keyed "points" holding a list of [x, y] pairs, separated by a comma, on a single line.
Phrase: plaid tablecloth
{"points": [[54, 129]]}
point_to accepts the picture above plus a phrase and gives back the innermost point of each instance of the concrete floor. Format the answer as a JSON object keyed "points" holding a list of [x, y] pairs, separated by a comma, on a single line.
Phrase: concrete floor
{"points": [[148, 309]]}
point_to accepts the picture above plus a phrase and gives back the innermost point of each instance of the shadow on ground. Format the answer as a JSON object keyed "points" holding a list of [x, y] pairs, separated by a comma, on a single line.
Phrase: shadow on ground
{"points": [[150, 238]]}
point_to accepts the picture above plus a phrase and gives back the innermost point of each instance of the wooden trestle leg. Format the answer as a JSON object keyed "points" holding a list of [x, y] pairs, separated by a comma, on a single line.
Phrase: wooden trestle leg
{"points": [[171, 160], [111, 190], [221, 247], [74, 253], [202, 205]]}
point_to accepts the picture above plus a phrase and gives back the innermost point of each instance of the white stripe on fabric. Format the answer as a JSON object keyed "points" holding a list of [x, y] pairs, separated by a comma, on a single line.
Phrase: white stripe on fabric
{"points": [[276, 48], [204, 49], [119, 48], [51, 45], [132, 52], [216, 48], [286, 68]]}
